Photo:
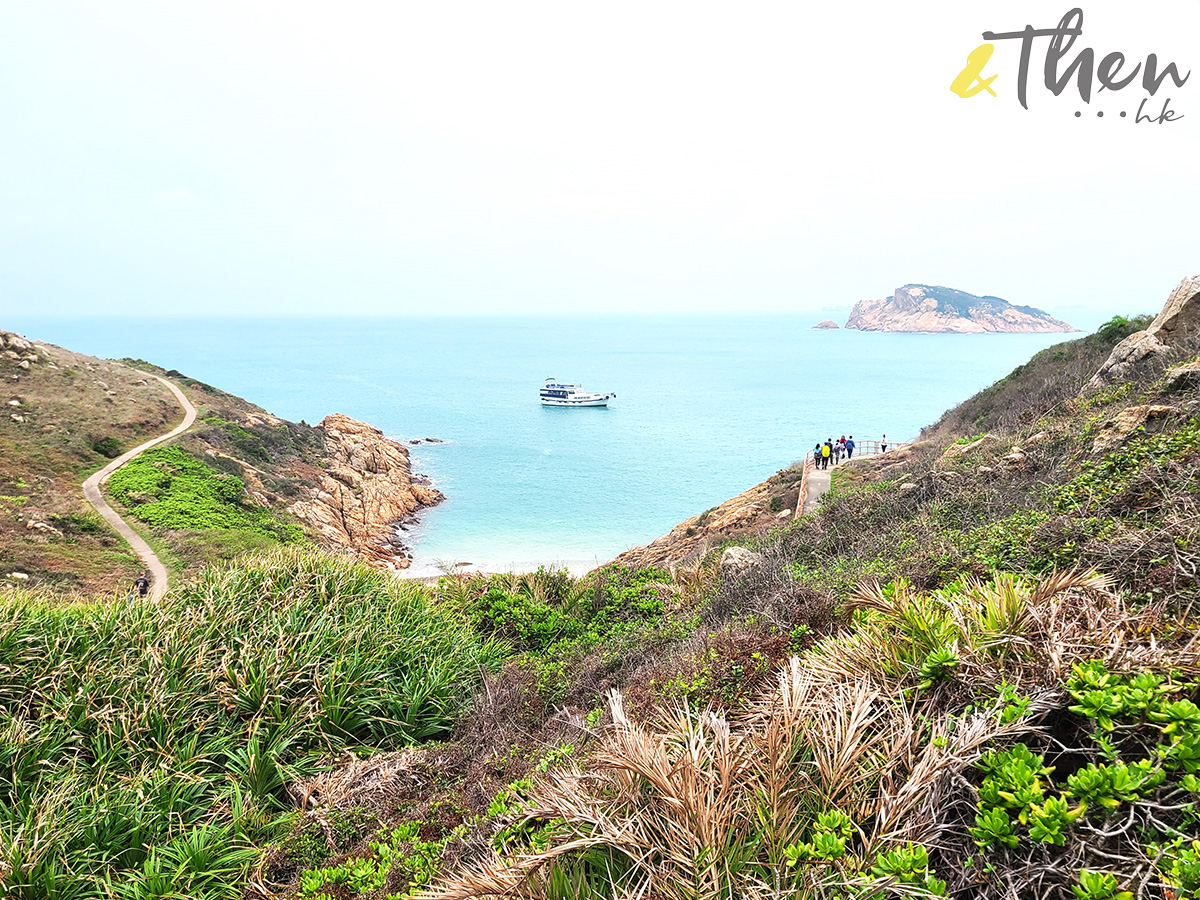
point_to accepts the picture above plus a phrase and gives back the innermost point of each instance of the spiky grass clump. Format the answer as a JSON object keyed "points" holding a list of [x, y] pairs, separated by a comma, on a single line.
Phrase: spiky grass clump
{"points": [[836, 782], [708, 807], [145, 749]]}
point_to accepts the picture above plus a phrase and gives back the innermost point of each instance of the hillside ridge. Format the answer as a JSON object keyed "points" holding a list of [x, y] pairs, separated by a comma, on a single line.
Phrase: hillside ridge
{"points": [[239, 479]]}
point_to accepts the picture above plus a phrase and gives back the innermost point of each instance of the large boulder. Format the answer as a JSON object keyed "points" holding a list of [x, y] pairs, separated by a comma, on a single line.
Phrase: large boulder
{"points": [[1180, 315], [738, 561]]}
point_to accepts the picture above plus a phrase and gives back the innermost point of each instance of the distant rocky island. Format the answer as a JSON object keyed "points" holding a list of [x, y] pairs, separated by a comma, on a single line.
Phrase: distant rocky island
{"points": [[827, 325], [925, 308]]}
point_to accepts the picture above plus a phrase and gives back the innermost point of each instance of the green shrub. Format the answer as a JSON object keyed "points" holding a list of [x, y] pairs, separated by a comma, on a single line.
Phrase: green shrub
{"points": [[169, 488], [107, 446]]}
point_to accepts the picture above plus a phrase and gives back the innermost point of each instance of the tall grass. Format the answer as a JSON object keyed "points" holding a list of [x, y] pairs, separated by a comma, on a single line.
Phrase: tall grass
{"points": [[146, 749], [846, 780]]}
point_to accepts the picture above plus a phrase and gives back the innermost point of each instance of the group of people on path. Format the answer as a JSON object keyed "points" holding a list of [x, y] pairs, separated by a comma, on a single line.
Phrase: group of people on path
{"points": [[832, 451]]}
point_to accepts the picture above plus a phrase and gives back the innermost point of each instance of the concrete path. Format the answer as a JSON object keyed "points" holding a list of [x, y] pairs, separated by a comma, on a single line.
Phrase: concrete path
{"points": [[818, 486], [91, 490]]}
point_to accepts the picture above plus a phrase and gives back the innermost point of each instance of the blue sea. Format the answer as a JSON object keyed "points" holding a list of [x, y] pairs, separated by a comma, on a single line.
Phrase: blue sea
{"points": [[706, 407]]}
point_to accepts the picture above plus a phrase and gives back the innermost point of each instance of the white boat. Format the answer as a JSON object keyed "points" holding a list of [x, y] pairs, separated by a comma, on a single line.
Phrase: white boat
{"points": [[556, 394]]}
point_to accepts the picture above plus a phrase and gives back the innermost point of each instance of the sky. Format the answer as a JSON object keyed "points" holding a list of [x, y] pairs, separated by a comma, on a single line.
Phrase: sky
{"points": [[405, 158]]}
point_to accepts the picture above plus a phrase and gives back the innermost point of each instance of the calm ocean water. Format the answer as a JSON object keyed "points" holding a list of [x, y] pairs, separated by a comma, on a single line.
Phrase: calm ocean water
{"points": [[706, 407]]}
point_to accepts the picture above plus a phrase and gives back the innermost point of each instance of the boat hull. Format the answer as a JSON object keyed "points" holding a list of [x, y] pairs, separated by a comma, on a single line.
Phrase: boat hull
{"points": [[601, 401]]}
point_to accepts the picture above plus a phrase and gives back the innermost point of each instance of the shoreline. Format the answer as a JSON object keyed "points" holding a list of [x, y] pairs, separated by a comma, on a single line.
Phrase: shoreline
{"points": [[427, 570]]}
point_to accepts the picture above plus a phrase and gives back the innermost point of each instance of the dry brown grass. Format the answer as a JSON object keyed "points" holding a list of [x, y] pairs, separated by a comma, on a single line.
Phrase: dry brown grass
{"points": [[702, 805]]}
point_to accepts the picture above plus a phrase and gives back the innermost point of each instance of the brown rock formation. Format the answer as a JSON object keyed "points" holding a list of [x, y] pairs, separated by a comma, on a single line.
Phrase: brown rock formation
{"points": [[689, 540], [827, 325], [1117, 430], [922, 308], [363, 494], [1183, 378], [1180, 316]]}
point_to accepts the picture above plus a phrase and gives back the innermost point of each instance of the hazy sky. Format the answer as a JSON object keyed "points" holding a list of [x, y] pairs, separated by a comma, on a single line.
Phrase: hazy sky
{"points": [[442, 157]]}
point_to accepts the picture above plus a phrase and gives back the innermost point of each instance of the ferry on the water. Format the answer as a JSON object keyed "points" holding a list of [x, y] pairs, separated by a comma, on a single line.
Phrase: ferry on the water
{"points": [[556, 394]]}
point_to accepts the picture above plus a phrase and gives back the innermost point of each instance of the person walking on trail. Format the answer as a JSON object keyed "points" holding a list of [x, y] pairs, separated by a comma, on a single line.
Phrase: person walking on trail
{"points": [[826, 452], [142, 584], [817, 455], [837, 452], [850, 447], [883, 445]]}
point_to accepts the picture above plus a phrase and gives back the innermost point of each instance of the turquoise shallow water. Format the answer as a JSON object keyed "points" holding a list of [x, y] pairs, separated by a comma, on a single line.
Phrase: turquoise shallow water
{"points": [[706, 407]]}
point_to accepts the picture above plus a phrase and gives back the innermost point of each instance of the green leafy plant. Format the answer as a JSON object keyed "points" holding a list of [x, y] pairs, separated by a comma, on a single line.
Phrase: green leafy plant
{"points": [[1098, 886]]}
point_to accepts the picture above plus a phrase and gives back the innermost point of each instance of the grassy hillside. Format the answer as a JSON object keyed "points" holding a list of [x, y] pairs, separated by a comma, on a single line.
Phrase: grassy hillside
{"points": [[66, 416], [215, 493]]}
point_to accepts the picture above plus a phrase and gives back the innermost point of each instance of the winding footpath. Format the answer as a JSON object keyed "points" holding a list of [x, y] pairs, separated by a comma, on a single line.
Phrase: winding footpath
{"points": [[91, 490]]}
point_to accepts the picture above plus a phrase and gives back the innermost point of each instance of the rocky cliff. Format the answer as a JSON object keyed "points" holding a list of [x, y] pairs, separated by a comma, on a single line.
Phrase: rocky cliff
{"points": [[1178, 322], [691, 539], [366, 491], [922, 308]]}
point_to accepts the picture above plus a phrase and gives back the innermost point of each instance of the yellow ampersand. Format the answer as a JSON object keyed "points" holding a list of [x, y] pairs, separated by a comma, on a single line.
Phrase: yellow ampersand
{"points": [[970, 81]]}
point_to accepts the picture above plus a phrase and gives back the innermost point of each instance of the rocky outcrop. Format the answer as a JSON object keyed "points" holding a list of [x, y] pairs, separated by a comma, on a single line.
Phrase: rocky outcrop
{"points": [[923, 308], [18, 351], [1183, 378], [1121, 427], [749, 511], [827, 325], [363, 494], [1180, 316], [737, 562]]}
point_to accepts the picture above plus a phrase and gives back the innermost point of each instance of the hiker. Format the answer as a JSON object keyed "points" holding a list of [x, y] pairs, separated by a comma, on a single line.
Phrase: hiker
{"points": [[883, 445], [817, 455], [142, 584], [838, 447], [826, 452], [850, 447]]}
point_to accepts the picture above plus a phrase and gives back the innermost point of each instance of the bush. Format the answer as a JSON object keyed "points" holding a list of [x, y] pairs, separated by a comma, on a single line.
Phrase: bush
{"points": [[107, 446]]}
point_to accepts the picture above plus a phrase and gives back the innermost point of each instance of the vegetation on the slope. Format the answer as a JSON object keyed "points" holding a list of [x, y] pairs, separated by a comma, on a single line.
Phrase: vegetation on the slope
{"points": [[66, 415], [958, 717], [172, 489], [1031, 390], [147, 750]]}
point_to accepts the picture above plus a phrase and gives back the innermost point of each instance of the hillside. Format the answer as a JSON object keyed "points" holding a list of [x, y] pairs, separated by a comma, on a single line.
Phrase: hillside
{"points": [[926, 308], [972, 672], [239, 480]]}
